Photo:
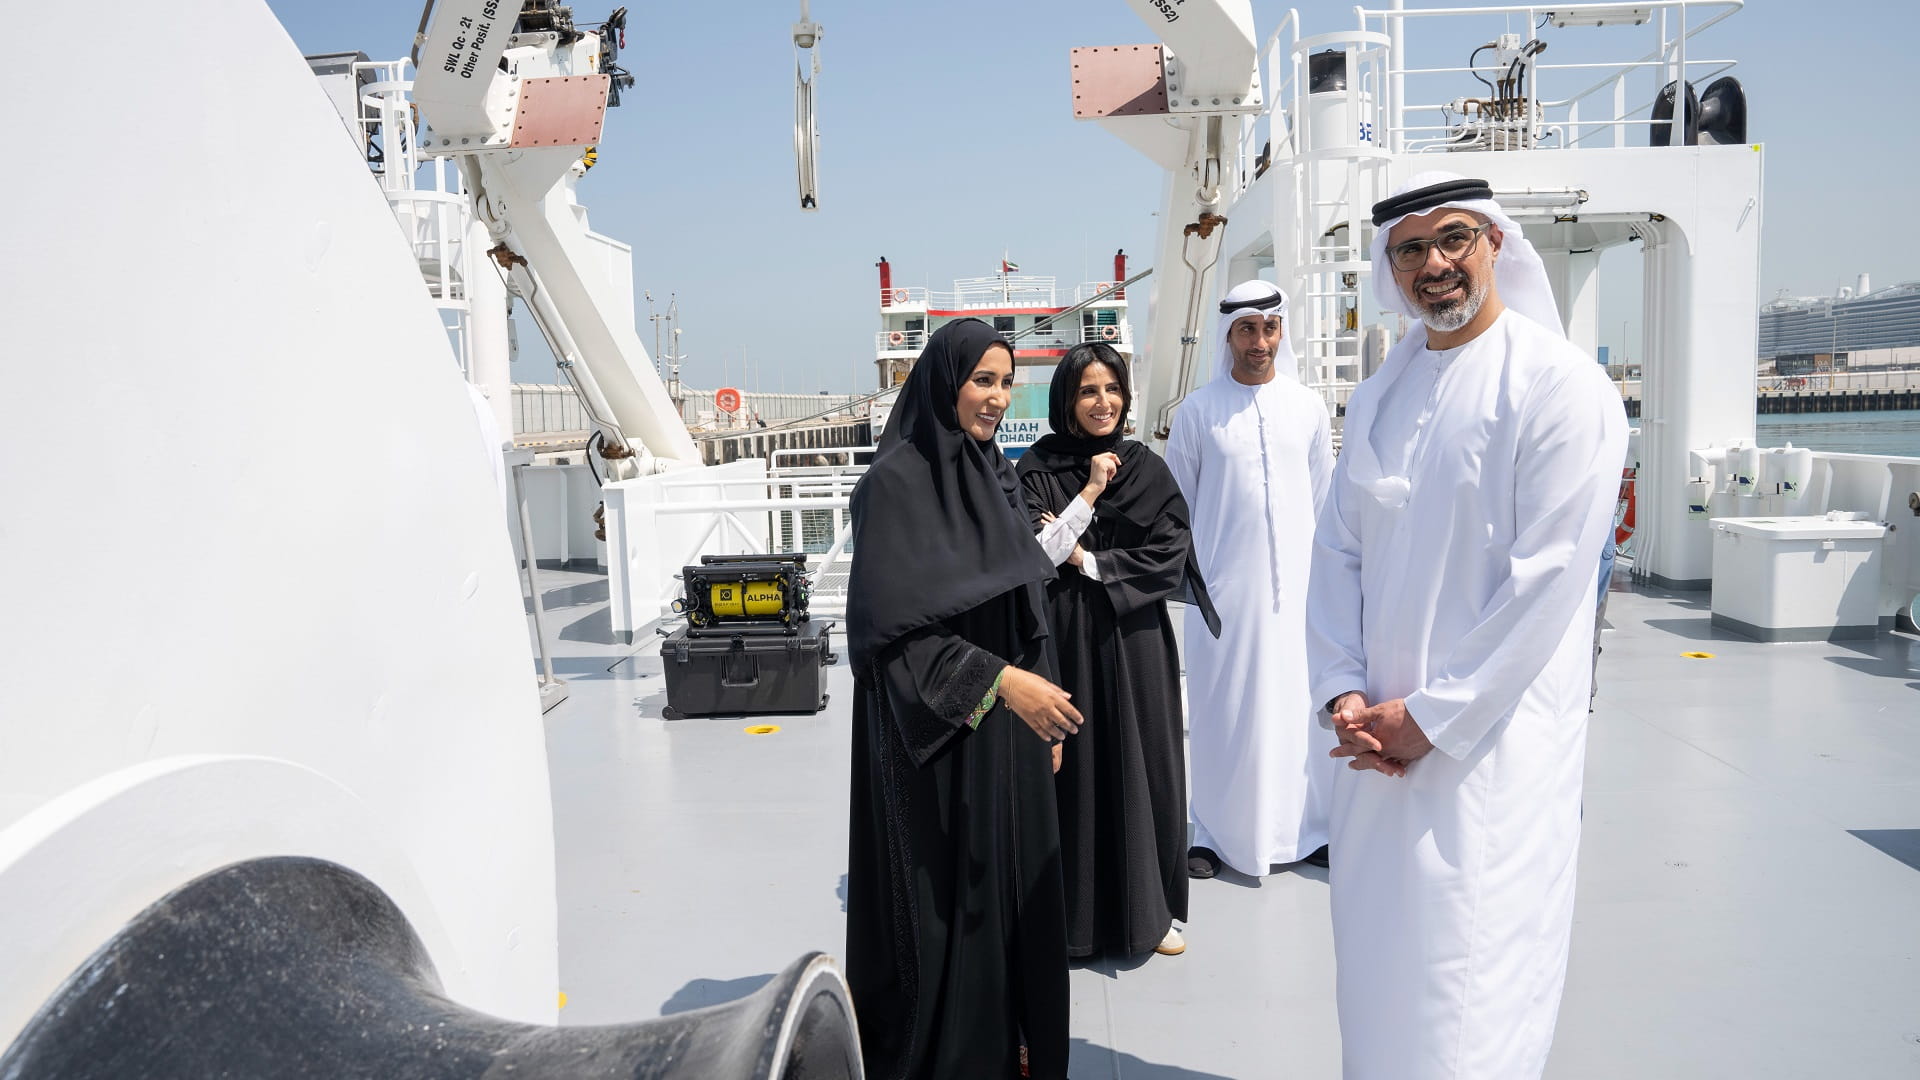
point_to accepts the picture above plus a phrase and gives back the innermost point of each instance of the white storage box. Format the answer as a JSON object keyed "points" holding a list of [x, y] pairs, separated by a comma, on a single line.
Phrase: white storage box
{"points": [[1797, 578]]}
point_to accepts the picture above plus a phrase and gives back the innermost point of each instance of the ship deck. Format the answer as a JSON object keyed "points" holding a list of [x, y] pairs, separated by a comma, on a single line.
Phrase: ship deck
{"points": [[1749, 898]]}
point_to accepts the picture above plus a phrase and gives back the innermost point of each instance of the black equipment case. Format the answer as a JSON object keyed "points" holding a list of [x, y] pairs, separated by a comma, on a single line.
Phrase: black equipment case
{"points": [[749, 646], [745, 673]]}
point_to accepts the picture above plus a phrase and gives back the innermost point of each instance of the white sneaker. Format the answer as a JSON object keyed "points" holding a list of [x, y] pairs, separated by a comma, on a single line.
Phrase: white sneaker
{"points": [[1171, 945]]}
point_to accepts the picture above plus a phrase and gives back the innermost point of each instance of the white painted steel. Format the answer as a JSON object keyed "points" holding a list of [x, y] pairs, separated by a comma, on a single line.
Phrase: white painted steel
{"points": [[1797, 573], [245, 587], [489, 359], [455, 87], [1801, 483], [1695, 211], [576, 283], [1213, 51]]}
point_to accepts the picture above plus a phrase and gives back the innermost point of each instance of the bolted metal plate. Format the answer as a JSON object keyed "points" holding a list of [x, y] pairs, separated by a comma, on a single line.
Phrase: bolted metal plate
{"points": [[565, 110], [1119, 80]]}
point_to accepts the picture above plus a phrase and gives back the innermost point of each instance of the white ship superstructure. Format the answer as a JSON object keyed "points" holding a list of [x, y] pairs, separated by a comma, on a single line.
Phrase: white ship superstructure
{"points": [[1037, 317]]}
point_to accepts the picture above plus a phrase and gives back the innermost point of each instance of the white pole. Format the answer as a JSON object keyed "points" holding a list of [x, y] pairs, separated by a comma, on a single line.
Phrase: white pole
{"points": [[1397, 60], [533, 588]]}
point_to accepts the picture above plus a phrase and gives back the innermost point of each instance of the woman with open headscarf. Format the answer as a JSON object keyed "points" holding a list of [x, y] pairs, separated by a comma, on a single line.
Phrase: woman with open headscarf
{"points": [[956, 931], [1122, 782]]}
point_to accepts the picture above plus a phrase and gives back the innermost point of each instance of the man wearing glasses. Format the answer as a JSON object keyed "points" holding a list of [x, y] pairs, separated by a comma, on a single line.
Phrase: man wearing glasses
{"points": [[1450, 627]]}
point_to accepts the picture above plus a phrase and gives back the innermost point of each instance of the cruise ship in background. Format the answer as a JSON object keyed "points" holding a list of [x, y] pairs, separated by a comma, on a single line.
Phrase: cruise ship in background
{"points": [[1857, 350]]}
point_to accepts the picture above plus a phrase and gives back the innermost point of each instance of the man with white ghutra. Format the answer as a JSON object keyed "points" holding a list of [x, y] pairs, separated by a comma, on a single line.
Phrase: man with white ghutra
{"points": [[1253, 455], [1450, 628]]}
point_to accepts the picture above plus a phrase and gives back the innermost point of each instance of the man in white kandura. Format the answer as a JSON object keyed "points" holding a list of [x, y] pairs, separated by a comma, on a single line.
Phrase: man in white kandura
{"points": [[1452, 611], [1252, 454]]}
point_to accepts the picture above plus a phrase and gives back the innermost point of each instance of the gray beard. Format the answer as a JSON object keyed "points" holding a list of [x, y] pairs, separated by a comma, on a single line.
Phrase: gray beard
{"points": [[1450, 317]]}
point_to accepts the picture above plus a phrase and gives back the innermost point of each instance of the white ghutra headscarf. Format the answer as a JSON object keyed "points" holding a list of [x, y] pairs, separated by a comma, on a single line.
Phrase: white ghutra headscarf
{"points": [[1518, 274], [1255, 297], [1519, 277]]}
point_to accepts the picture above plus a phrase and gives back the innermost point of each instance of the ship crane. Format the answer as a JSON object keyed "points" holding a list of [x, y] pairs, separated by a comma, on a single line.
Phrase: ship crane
{"points": [[1181, 102], [517, 95]]}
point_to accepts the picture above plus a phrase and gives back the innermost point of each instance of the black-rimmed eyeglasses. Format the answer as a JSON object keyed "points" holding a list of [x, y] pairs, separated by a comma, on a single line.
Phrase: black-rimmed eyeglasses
{"points": [[1454, 245]]}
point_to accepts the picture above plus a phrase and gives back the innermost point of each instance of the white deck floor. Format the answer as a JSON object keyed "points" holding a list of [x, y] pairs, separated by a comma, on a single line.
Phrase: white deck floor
{"points": [[1744, 909]]}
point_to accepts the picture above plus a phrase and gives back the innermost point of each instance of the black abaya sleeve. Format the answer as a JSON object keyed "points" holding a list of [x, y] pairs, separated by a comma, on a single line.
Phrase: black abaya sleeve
{"points": [[934, 680], [1138, 576], [1043, 495]]}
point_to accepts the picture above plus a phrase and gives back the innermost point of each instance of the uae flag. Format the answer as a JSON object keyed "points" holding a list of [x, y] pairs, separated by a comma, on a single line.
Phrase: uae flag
{"points": [[1007, 267]]}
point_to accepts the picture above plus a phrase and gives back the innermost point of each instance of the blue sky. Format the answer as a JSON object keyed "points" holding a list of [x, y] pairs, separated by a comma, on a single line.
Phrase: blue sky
{"points": [[947, 136]]}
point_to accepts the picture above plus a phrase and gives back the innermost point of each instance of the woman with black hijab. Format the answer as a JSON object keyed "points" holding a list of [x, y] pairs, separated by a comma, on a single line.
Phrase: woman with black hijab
{"points": [[956, 930], [1122, 782]]}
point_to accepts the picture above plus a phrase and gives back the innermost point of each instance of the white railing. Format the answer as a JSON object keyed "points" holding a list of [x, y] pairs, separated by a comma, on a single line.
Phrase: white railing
{"points": [[1059, 337], [996, 291], [658, 525], [1118, 335], [1613, 98], [798, 461], [1000, 290], [1100, 292], [541, 408], [428, 198], [1257, 133], [697, 407], [901, 341]]}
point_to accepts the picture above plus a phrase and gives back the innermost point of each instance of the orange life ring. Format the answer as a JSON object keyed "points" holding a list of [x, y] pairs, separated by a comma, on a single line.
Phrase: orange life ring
{"points": [[1109, 332], [726, 399], [1104, 287], [1623, 509], [896, 338], [900, 296]]}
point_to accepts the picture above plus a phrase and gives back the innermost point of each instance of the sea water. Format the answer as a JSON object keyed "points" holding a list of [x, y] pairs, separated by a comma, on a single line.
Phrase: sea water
{"points": [[1894, 432]]}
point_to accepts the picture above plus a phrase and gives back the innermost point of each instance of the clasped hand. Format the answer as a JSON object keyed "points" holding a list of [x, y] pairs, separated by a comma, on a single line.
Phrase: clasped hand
{"points": [[1381, 737]]}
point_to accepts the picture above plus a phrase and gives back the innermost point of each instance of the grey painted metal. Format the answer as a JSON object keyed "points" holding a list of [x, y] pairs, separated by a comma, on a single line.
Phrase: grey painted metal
{"points": [[1735, 916], [1795, 633]]}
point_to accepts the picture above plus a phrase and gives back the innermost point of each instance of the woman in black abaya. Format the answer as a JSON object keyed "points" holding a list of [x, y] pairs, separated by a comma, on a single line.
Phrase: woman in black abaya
{"points": [[956, 932], [1122, 781]]}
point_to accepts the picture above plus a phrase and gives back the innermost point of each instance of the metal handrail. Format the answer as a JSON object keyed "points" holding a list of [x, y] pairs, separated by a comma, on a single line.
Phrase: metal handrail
{"points": [[988, 292], [1669, 55], [1064, 312], [1060, 337]]}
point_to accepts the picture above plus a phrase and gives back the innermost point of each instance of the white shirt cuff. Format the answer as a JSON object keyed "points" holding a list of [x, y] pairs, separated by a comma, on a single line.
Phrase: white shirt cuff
{"points": [[1087, 566], [1057, 537]]}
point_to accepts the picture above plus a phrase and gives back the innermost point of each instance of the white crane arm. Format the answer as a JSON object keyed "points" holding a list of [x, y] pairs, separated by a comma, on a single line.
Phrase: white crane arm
{"points": [[519, 130]]}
